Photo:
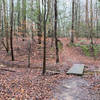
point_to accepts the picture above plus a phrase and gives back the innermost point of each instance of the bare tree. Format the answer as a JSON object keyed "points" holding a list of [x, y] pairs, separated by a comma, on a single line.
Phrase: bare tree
{"points": [[72, 29], [97, 19], [91, 22], [0, 18], [18, 16], [29, 52], [79, 11], [11, 31], [24, 18], [87, 18], [44, 27], [87, 13], [39, 23], [55, 29], [6, 27]]}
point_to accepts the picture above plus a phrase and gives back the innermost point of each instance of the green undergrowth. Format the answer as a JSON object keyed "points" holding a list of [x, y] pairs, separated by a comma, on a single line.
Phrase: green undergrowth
{"points": [[87, 49], [60, 46]]}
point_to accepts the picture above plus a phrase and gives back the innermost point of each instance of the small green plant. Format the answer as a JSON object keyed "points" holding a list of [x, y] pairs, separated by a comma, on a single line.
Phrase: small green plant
{"points": [[9, 53], [72, 45], [96, 49], [60, 45], [52, 48], [85, 49], [82, 41]]}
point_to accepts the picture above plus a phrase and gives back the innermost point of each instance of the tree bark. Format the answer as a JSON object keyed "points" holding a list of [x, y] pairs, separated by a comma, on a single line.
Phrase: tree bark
{"points": [[91, 22], [72, 33], [55, 28], [24, 18], [18, 17], [11, 32], [44, 52], [6, 27]]}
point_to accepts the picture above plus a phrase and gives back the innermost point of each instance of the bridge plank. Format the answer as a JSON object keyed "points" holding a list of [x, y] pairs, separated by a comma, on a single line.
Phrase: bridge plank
{"points": [[77, 69]]}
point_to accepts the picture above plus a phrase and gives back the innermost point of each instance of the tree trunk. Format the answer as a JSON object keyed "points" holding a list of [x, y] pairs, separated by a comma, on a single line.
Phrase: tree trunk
{"points": [[44, 52], [29, 52], [55, 28], [39, 23], [0, 19], [97, 20], [91, 29], [76, 19], [11, 32], [72, 33], [24, 18], [87, 19], [6, 28], [91, 22], [79, 8], [18, 17]]}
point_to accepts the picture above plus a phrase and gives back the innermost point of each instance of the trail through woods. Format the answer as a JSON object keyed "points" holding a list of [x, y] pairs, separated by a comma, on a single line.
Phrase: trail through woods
{"points": [[72, 55], [75, 89], [19, 82]]}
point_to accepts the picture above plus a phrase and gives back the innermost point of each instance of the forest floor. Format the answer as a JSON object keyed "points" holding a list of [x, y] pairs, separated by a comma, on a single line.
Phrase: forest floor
{"points": [[17, 82]]}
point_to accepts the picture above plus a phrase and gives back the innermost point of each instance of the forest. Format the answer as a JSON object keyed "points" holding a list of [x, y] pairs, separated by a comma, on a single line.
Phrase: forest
{"points": [[49, 49]]}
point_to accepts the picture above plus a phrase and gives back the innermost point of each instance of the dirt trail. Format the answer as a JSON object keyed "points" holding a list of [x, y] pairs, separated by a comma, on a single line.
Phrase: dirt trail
{"points": [[74, 89], [74, 55]]}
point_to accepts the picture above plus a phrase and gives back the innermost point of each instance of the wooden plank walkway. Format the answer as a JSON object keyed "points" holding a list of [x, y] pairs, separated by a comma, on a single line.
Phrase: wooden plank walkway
{"points": [[76, 69]]}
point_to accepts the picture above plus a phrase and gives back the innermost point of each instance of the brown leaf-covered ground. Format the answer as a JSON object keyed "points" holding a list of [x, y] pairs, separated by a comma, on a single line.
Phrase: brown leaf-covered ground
{"points": [[17, 82]]}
